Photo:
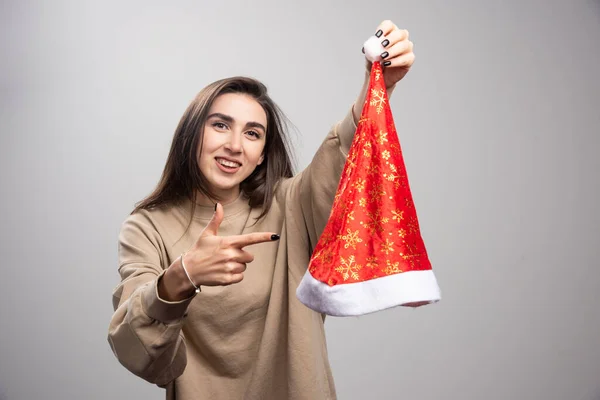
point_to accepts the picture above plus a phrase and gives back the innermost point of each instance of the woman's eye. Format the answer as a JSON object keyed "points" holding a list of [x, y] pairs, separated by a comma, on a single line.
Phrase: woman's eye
{"points": [[255, 134], [219, 125]]}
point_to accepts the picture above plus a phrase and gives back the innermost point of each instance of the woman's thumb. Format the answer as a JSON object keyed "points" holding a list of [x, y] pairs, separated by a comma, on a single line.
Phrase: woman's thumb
{"points": [[212, 228]]}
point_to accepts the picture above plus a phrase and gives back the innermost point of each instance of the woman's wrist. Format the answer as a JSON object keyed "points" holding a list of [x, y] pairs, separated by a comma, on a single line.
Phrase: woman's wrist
{"points": [[175, 285]]}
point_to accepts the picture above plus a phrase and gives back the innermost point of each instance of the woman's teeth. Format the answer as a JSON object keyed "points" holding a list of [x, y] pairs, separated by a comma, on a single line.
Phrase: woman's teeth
{"points": [[230, 164]]}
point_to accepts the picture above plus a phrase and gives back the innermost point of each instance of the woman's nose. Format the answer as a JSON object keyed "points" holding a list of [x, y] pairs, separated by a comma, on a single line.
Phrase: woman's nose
{"points": [[235, 142]]}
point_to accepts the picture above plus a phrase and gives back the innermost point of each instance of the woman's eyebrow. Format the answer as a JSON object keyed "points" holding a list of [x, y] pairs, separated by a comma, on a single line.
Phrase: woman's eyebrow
{"points": [[230, 119], [224, 117], [253, 124]]}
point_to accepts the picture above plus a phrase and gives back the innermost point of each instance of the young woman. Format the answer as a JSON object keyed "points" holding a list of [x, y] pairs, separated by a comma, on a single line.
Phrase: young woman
{"points": [[211, 260]]}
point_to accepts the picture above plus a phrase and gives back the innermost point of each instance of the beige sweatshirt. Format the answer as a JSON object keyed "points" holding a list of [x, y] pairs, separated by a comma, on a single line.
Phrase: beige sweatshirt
{"points": [[252, 340]]}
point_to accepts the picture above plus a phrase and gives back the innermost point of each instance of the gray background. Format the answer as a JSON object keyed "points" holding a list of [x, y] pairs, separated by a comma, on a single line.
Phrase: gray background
{"points": [[499, 121]]}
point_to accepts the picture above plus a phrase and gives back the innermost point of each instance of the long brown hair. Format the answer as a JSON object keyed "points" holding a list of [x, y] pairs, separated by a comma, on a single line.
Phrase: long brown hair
{"points": [[182, 178]]}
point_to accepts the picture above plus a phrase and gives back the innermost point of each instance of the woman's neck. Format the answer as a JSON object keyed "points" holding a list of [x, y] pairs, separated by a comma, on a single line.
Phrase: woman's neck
{"points": [[203, 200]]}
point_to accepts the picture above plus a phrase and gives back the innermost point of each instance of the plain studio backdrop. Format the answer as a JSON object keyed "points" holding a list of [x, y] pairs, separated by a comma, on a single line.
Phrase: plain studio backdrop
{"points": [[499, 121]]}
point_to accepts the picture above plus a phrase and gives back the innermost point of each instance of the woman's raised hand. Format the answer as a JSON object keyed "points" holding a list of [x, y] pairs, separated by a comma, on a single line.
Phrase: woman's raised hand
{"points": [[398, 56], [211, 261]]}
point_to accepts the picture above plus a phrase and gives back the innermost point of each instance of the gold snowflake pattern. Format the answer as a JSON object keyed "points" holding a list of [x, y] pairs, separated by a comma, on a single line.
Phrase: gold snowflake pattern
{"points": [[352, 162], [387, 246], [372, 262], [351, 239], [378, 99], [350, 216], [367, 147], [326, 238], [412, 248], [350, 165], [390, 177], [410, 258], [362, 202], [325, 255], [397, 215], [392, 268], [376, 192], [381, 137], [414, 254], [359, 184], [375, 222], [413, 225], [372, 169], [402, 233], [340, 203], [385, 154], [348, 268], [337, 197]]}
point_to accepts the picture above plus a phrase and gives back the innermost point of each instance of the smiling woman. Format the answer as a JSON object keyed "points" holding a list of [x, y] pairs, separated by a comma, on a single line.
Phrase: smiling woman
{"points": [[211, 259], [221, 115], [233, 143]]}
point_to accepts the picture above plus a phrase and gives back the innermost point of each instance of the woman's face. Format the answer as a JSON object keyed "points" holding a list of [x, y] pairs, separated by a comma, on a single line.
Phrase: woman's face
{"points": [[234, 139]]}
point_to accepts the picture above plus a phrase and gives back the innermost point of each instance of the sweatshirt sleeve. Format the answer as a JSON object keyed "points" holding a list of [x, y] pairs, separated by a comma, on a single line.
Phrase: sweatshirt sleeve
{"points": [[311, 193], [145, 331]]}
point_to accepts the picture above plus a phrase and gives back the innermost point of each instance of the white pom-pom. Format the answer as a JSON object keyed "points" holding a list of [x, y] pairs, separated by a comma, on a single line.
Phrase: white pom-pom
{"points": [[373, 49]]}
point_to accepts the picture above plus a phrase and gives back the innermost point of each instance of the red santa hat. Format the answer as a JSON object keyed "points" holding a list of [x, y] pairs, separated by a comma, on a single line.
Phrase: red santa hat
{"points": [[371, 255]]}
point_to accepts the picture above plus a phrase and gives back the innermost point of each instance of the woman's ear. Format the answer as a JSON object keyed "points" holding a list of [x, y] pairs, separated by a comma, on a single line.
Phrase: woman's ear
{"points": [[261, 159]]}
